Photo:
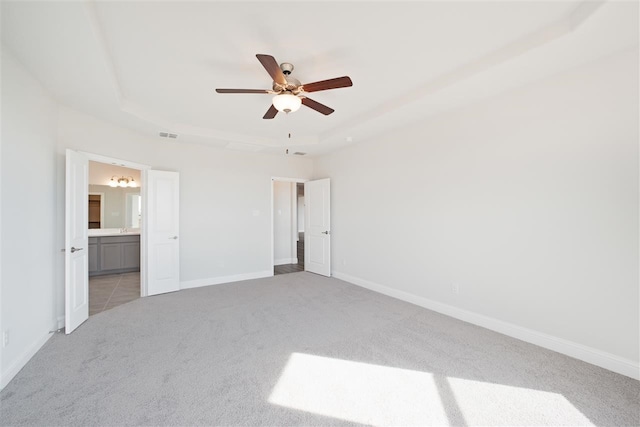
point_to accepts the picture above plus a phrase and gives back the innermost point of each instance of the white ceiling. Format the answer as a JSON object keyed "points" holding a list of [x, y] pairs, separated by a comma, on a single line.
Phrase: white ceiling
{"points": [[153, 66]]}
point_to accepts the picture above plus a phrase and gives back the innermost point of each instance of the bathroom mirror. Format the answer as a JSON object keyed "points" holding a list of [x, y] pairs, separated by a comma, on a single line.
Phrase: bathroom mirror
{"points": [[114, 207]]}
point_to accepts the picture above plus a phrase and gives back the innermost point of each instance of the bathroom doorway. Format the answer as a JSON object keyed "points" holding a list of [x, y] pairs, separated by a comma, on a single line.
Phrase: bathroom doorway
{"points": [[115, 214]]}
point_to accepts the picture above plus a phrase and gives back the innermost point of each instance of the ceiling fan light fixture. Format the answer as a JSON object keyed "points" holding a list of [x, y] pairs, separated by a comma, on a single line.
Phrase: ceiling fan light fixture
{"points": [[287, 102], [288, 88]]}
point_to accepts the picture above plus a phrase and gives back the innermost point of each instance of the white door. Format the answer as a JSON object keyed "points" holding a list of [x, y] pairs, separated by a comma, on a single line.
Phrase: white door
{"points": [[76, 241], [317, 231], [163, 246]]}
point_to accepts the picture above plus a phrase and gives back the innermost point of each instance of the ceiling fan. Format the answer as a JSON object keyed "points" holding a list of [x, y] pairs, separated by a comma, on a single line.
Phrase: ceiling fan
{"points": [[289, 92]]}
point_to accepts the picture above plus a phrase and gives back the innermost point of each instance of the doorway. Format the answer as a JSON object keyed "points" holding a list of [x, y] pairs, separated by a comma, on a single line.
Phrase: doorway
{"points": [[115, 211], [158, 245], [96, 210], [288, 225]]}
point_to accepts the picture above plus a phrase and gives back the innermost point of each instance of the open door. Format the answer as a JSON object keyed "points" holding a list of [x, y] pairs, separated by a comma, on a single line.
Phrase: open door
{"points": [[163, 248], [317, 236], [76, 278]]}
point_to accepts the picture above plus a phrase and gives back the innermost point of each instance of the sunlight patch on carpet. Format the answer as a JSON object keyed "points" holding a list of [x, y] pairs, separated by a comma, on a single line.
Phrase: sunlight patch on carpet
{"points": [[382, 395], [358, 392], [506, 404]]}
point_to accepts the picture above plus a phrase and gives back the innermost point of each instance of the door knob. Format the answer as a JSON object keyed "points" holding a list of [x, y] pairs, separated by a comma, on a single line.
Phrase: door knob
{"points": [[76, 249], [174, 238], [325, 232]]}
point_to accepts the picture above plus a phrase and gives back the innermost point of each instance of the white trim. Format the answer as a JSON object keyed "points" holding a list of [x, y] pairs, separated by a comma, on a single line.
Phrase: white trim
{"points": [[294, 222], [113, 161], [587, 354], [296, 180], [144, 233], [272, 219], [21, 361], [198, 283], [283, 261]]}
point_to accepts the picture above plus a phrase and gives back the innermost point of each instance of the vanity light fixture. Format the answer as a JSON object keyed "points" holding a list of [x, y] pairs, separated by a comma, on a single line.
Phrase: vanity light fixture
{"points": [[122, 182]]}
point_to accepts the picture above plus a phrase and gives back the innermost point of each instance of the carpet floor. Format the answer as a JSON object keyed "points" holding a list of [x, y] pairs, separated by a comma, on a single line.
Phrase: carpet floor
{"points": [[301, 349]]}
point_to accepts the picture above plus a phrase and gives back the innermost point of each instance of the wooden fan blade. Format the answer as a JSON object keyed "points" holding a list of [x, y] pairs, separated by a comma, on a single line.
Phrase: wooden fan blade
{"points": [[336, 83], [271, 65], [315, 105], [242, 91], [271, 113]]}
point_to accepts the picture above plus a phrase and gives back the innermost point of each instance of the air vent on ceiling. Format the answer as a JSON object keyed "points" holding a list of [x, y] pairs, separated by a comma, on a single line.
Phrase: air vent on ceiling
{"points": [[298, 153], [168, 135]]}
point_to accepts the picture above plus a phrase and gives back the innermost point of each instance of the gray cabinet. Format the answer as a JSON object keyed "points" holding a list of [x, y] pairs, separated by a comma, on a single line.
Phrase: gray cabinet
{"points": [[93, 254], [131, 255], [114, 254], [110, 256]]}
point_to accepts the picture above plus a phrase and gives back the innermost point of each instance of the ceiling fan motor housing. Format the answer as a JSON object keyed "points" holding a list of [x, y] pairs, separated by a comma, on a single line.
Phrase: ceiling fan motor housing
{"points": [[286, 68], [292, 86]]}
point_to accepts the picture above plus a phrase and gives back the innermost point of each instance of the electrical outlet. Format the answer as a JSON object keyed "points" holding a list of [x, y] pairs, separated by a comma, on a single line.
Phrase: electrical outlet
{"points": [[455, 288], [5, 338]]}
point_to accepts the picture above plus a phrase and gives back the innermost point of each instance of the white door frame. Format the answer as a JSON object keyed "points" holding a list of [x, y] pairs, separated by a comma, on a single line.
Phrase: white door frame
{"points": [[143, 194], [294, 212]]}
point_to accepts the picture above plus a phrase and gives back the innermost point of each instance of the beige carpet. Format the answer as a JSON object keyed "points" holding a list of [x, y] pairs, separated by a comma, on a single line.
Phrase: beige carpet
{"points": [[301, 349]]}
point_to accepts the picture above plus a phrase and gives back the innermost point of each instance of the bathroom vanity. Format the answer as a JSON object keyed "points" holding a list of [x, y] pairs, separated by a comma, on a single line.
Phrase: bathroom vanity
{"points": [[113, 253]]}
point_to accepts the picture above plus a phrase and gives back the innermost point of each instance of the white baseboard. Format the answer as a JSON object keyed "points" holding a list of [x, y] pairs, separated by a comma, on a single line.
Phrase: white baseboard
{"points": [[283, 261], [60, 322], [587, 354], [22, 360], [189, 284]]}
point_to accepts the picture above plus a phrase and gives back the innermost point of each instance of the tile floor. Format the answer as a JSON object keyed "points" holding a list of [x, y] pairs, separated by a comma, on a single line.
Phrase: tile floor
{"points": [[293, 268], [107, 292]]}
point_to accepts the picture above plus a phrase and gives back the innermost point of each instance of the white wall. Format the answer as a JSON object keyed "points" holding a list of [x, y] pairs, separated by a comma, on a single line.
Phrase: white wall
{"points": [[528, 202], [283, 237], [28, 216], [225, 196]]}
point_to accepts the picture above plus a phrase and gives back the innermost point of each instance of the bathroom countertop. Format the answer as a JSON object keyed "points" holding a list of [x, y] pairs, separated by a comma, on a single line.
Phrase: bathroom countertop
{"points": [[110, 232]]}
